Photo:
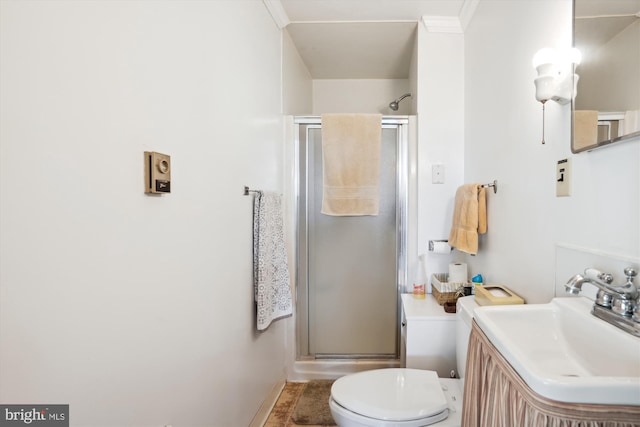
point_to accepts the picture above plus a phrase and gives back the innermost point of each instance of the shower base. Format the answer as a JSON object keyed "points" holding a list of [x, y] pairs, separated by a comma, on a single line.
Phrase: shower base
{"points": [[329, 369]]}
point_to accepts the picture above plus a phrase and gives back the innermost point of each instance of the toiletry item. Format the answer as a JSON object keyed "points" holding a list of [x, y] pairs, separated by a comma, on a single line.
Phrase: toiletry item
{"points": [[476, 280], [418, 291], [449, 307], [439, 246], [458, 272]]}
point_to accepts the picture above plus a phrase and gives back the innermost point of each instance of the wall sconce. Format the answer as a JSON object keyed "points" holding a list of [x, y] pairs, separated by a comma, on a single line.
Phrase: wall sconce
{"points": [[556, 79]]}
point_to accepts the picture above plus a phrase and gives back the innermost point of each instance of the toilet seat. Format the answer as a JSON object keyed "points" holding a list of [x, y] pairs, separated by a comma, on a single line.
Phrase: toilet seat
{"points": [[401, 396]]}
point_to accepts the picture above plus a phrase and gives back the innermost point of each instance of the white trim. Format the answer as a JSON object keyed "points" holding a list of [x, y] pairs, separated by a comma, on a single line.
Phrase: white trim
{"points": [[277, 12], [267, 405], [365, 21], [317, 120], [467, 11], [442, 24]]}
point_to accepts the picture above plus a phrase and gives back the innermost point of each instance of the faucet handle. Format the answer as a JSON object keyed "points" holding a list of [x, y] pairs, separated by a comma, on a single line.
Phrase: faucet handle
{"points": [[594, 274], [630, 272]]}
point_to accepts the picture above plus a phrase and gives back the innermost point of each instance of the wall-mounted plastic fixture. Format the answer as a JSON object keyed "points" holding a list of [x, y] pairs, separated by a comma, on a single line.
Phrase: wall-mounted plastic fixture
{"points": [[437, 174], [563, 178], [157, 173]]}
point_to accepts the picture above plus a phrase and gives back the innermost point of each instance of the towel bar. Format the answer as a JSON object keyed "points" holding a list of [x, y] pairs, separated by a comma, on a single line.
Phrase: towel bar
{"points": [[247, 191], [493, 184]]}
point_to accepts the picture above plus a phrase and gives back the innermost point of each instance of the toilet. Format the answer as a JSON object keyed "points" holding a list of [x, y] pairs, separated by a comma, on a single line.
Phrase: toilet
{"points": [[403, 397]]}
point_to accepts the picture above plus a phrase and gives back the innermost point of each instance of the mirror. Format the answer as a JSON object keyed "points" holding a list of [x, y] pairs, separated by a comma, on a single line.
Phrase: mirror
{"points": [[606, 108]]}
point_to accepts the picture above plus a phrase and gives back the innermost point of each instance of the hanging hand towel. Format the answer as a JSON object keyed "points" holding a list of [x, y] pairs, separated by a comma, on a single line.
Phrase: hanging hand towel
{"points": [[585, 129], [469, 218], [351, 164], [270, 268]]}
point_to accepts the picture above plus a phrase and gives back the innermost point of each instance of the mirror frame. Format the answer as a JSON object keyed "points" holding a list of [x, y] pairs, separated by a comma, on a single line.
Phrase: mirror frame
{"points": [[600, 144]]}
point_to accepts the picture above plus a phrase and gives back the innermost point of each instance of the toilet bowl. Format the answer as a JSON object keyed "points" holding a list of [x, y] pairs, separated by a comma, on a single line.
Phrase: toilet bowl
{"points": [[403, 397]]}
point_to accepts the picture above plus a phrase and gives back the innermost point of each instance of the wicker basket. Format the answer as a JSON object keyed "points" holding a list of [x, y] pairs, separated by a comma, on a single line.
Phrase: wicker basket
{"points": [[444, 291]]}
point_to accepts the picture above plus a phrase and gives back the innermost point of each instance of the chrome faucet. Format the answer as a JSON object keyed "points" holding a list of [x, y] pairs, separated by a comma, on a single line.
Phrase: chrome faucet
{"points": [[618, 305]]}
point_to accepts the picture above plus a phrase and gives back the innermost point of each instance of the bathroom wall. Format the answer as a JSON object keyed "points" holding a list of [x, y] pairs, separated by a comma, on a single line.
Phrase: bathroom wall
{"points": [[441, 137], [136, 310], [297, 84], [530, 228], [370, 96], [297, 100]]}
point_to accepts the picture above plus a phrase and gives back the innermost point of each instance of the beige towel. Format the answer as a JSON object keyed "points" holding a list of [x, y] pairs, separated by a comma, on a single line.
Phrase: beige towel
{"points": [[585, 129], [351, 163], [469, 218], [631, 122]]}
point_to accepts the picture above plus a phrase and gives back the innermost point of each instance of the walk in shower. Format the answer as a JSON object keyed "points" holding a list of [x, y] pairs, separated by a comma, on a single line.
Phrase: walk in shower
{"points": [[350, 270]]}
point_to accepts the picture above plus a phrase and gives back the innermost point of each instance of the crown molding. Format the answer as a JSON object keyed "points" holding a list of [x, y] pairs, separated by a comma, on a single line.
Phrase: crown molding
{"points": [[442, 24], [452, 24], [467, 11], [277, 12]]}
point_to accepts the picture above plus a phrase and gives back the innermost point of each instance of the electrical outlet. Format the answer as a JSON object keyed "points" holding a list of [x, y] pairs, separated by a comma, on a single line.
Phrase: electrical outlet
{"points": [[563, 178], [437, 174]]}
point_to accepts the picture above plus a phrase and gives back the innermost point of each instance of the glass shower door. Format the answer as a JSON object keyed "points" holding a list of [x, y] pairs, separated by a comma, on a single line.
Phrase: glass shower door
{"points": [[351, 263]]}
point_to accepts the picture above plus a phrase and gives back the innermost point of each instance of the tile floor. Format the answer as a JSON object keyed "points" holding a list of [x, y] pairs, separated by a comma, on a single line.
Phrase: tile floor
{"points": [[280, 415]]}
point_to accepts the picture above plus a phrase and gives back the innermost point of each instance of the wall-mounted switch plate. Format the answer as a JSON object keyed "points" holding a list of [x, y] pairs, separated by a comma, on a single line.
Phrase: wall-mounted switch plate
{"points": [[157, 173], [563, 178], [437, 174]]}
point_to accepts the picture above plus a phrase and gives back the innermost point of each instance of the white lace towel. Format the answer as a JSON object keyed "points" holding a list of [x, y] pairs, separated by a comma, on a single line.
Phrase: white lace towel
{"points": [[270, 267]]}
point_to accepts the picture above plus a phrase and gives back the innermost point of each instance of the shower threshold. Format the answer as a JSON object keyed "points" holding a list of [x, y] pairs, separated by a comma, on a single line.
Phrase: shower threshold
{"points": [[333, 368], [351, 356]]}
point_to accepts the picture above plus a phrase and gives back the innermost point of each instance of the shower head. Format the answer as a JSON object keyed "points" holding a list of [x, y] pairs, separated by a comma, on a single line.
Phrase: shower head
{"points": [[394, 104]]}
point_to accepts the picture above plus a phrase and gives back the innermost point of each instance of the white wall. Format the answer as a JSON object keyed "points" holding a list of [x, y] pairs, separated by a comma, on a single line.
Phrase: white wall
{"points": [[297, 100], [360, 96], [441, 136], [503, 128], [296, 80], [136, 310]]}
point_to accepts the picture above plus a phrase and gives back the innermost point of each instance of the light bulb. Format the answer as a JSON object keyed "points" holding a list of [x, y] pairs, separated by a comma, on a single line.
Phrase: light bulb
{"points": [[546, 55], [575, 56]]}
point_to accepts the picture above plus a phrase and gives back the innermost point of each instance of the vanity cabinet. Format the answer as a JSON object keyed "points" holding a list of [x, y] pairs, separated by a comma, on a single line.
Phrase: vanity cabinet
{"points": [[428, 336], [495, 395]]}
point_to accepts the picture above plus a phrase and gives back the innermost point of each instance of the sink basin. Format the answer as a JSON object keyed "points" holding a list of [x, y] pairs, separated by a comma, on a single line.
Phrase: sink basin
{"points": [[565, 353]]}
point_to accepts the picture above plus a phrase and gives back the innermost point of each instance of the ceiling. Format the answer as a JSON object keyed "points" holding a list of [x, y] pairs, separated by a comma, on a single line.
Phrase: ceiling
{"points": [[599, 21], [374, 39], [368, 10], [355, 50], [359, 39]]}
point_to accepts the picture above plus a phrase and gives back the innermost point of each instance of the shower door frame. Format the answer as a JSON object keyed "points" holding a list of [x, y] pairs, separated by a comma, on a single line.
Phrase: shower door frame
{"points": [[401, 124]]}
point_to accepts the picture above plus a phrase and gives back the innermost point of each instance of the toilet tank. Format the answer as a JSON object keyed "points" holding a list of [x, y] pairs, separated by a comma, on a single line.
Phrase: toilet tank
{"points": [[428, 336], [464, 318]]}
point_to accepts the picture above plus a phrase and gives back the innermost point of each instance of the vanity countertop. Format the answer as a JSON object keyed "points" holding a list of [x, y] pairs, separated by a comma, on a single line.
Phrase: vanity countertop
{"points": [[424, 309]]}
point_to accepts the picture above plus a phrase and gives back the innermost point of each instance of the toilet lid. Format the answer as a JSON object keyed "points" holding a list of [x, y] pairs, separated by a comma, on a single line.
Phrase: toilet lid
{"points": [[396, 394]]}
